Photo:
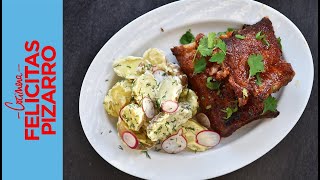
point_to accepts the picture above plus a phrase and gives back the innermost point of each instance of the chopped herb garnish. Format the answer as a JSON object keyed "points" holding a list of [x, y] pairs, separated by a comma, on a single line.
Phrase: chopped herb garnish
{"points": [[259, 80], [190, 128], [230, 29], [270, 104], [129, 67], [117, 65], [279, 42], [120, 147], [229, 111], [147, 154], [256, 64], [265, 42], [212, 85], [200, 65], [238, 36], [187, 38], [221, 33], [218, 57], [262, 37]]}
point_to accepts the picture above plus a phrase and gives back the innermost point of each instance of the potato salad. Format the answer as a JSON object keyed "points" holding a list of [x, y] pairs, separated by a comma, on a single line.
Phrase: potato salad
{"points": [[154, 106]]}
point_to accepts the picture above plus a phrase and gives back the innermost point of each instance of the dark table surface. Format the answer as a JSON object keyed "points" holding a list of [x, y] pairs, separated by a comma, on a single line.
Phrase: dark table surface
{"points": [[87, 27]]}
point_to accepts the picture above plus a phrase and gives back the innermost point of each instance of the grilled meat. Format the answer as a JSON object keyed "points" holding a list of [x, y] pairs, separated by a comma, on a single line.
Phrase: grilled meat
{"points": [[233, 75], [277, 72]]}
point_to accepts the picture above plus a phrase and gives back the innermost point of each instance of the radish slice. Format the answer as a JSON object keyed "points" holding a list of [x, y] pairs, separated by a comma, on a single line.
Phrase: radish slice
{"points": [[148, 107], [159, 75], [169, 106], [208, 138], [130, 139], [174, 143], [203, 120]]}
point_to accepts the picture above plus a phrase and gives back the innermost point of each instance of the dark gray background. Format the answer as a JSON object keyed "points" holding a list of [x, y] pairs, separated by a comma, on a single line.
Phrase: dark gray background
{"points": [[87, 27]]}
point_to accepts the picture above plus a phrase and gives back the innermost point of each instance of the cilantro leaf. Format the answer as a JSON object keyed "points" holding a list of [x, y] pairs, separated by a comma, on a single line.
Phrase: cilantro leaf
{"points": [[187, 38], [203, 47], [221, 33], [230, 29], [211, 39], [238, 36], [212, 85], [262, 37], [259, 80], [200, 65], [218, 57], [270, 104], [279, 42], [221, 45], [265, 42], [256, 64]]}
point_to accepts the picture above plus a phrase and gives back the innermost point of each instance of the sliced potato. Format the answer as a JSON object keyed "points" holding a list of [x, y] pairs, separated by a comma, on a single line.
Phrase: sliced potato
{"points": [[169, 89], [190, 97], [133, 115], [165, 124], [118, 96], [173, 69], [190, 129], [129, 67], [144, 141], [156, 57], [144, 86]]}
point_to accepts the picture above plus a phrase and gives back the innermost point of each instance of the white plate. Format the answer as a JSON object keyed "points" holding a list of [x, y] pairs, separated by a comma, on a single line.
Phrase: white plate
{"points": [[243, 147]]}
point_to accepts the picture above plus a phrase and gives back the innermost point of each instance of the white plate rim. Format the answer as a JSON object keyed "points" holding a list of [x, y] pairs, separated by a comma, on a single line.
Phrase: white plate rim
{"points": [[178, 3]]}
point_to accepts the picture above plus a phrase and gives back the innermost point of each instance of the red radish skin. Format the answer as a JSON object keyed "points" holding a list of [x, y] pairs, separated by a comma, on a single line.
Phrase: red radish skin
{"points": [[125, 137], [171, 146], [169, 106], [214, 141], [148, 107]]}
